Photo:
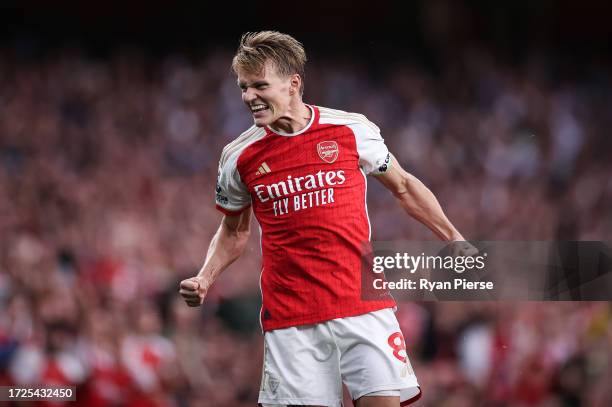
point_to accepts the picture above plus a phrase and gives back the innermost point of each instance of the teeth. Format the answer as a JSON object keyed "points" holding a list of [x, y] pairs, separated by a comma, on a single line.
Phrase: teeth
{"points": [[258, 108]]}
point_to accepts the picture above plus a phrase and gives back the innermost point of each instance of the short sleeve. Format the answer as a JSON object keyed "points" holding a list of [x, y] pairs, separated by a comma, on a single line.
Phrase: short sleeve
{"points": [[231, 194], [374, 156]]}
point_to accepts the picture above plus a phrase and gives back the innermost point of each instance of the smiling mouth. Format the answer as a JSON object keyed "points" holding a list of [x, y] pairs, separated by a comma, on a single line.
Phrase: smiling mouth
{"points": [[259, 108]]}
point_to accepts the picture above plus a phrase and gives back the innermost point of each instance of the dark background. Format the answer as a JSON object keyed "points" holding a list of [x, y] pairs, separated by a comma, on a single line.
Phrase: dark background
{"points": [[385, 28]]}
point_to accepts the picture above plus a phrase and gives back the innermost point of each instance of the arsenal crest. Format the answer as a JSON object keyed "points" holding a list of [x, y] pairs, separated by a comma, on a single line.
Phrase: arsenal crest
{"points": [[328, 151]]}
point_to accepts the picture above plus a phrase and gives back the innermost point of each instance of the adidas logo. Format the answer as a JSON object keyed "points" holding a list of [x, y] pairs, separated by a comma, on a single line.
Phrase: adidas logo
{"points": [[263, 169]]}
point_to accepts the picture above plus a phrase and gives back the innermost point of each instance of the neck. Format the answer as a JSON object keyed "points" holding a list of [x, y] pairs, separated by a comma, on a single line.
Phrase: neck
{"points": [[295, 118]]}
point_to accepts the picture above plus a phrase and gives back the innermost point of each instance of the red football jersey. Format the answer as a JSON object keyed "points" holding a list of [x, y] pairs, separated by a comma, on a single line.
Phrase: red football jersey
{"points": [[308, 193]]}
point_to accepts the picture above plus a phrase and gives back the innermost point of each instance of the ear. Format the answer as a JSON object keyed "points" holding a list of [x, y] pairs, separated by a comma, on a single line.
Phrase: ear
{"points": [[295, 81]]}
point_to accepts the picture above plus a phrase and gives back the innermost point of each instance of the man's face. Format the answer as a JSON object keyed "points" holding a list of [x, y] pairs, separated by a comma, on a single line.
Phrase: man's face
{"points": [[267, 95]]}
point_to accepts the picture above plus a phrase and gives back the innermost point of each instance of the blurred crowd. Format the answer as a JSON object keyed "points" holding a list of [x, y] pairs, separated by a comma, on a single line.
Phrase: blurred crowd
{"points": [[107, 173]]}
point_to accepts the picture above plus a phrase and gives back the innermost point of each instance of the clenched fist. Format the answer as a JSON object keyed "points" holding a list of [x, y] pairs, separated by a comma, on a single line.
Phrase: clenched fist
{"points": [[193, 291], [463, 249]]}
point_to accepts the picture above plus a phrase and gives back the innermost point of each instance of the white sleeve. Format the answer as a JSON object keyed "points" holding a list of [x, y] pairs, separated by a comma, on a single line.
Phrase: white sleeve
{"points": [[232, 195], [374, 156]]}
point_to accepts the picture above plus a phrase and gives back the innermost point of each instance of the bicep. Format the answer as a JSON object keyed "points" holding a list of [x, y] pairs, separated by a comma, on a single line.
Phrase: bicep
{"points": [[395, 178], [237, 223]]}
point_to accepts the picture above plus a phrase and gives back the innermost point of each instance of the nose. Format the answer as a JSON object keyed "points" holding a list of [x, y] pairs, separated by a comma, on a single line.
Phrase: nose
{"points": [[249, 95]]}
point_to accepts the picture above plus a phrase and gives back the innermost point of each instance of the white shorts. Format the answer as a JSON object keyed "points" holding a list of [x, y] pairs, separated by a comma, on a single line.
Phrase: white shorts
{"points": [[306, 365]]}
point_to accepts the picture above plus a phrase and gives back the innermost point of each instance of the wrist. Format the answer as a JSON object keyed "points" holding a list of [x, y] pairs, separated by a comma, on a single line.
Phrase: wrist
{"points": [[203, 281], [456, 237]]}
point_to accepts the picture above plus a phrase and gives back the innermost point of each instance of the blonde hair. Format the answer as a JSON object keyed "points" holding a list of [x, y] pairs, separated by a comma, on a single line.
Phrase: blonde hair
{"points": [[284, 51]]}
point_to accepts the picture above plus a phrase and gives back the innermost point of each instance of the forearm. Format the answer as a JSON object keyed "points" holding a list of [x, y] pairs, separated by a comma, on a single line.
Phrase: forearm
{"points": [[419, 202], [225, 247]]}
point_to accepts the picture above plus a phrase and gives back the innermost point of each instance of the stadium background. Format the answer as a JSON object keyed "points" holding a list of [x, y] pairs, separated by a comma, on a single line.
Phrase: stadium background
{"points": [[112, 119]]}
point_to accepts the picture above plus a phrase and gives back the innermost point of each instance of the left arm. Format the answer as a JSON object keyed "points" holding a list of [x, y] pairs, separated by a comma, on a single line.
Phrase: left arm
{"points": [[418, 201]]}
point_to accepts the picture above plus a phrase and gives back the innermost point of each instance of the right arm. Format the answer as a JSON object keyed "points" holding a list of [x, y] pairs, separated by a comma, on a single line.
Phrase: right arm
{"points": [[225, 247]]}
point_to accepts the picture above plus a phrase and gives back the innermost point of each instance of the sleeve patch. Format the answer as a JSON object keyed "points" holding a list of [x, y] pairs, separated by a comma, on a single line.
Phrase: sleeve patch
{"points": [[385, 165]]}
